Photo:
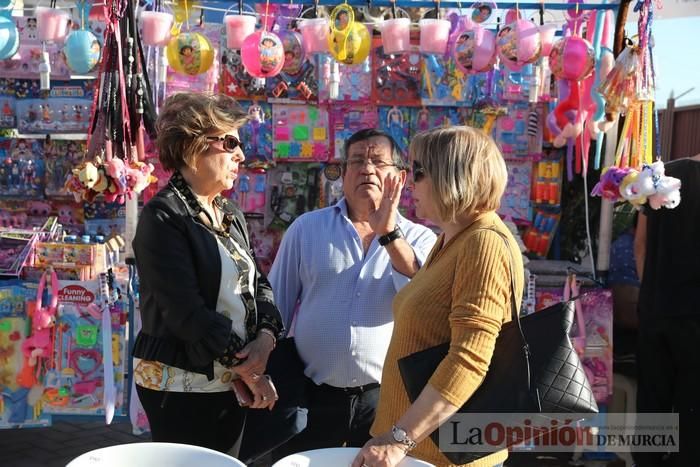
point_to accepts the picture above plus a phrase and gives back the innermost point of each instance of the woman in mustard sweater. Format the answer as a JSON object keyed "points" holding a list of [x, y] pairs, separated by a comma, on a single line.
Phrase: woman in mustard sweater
{"points": [[462, 294]]}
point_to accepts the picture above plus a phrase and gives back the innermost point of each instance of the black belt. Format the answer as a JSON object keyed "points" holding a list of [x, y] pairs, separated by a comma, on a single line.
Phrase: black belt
{"points": [[352, 391]]}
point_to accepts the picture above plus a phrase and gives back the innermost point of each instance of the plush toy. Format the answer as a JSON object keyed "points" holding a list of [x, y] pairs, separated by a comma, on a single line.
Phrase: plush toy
{"points": [[668, 194], [610, 182], [139, 176], [87, 174]]}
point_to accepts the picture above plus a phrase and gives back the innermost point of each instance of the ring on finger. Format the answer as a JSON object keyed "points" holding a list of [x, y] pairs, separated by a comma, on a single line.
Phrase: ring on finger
{"points": [[265, 398], [255, 376]]}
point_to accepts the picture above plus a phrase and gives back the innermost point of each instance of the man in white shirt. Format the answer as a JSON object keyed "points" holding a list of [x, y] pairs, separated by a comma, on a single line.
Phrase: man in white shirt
{"points": [[343, 265]]}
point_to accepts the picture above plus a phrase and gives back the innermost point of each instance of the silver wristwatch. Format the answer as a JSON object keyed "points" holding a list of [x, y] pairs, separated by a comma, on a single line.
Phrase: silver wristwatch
{"points": [[401, 437]]}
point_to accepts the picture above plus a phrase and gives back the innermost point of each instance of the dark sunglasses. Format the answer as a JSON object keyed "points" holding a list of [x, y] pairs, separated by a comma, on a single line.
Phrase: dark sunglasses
{"points": [[230, 142], [418, 171]]}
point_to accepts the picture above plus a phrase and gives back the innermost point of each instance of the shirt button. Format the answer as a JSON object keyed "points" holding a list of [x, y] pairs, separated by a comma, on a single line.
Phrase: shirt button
{"points": [[354, 323], [353, 353], [354, 380], [358, 294]]}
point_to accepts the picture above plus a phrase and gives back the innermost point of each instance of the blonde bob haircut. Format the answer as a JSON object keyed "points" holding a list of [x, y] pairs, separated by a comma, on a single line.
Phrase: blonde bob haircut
{"points": [[185, 121], [466, 168]]}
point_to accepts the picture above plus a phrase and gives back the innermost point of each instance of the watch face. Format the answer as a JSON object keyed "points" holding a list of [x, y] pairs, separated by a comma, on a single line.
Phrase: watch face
{"points": [[399, 434]]}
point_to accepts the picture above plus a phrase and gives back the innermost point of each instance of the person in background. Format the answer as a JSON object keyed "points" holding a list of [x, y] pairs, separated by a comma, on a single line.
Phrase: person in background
{"points": [[624, 283], [343, 265], [667, 251], [208, 313], [461, 295]]}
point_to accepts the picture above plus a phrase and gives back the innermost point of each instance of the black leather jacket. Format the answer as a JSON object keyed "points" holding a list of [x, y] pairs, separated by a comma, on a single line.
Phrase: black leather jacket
{"points": [[179, 269]]}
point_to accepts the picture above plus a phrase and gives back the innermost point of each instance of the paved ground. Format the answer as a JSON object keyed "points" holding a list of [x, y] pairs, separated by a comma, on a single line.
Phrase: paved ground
{"points": [[65, 440]]}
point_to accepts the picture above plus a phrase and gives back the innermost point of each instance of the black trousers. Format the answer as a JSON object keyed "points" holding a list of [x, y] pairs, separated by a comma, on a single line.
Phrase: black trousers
{"points": [[211, 420], [336, 417], [668, 363]]}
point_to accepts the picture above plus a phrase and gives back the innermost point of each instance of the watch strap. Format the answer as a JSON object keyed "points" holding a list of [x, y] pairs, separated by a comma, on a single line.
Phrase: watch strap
{"points": [[384, 240]]}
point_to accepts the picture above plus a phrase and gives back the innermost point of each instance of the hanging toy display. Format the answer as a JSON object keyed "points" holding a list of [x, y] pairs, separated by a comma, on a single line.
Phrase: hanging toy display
{"points": [[190, 53], [349, 41], [629, 88]]}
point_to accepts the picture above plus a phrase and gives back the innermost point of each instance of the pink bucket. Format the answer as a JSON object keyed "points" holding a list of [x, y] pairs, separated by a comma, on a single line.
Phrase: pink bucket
{"points": [[314, 33], [396, 35], [156, 28], [238, 27], [51, 24], [434, 34]]}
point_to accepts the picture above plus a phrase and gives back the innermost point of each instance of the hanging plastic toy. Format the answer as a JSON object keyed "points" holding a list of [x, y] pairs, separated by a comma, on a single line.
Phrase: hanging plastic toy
{"points": [[81, 48], [9, 37], [349, 40], [294, 53], [190, 53], [518, 44], [474, 49], [262, 54]]}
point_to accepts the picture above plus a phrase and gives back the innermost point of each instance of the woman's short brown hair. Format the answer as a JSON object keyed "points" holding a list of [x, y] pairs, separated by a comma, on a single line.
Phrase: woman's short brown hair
{"points": [[466, 169], [185, 121]]}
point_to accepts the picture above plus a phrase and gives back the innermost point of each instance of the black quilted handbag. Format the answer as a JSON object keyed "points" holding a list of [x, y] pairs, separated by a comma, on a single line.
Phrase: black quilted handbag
{"points": [[534, 369]]}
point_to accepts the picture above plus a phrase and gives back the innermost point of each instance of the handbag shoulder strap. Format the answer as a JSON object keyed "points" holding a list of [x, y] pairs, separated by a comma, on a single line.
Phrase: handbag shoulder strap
{"points": [[515, 316]]}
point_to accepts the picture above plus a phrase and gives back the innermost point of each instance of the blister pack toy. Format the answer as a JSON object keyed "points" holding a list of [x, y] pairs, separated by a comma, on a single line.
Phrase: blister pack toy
{"points": [[515, 202], [538, 237], [21, 168], [442, 82], [250, 191], [547, 180], [8, 117], [58, 115], [60, 157], [256, 135], [331, 185], [300, 133], [78, 382], [426, 118], [396, 122], [511, 130], [347, 119], [102, 218], [354, 82], [293, 190], [19, 405], [397, 78]]}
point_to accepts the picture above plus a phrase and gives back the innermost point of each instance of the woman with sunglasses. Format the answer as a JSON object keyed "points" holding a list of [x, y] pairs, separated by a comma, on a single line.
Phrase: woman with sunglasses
{"points": [[461, 294], [209, 320]]}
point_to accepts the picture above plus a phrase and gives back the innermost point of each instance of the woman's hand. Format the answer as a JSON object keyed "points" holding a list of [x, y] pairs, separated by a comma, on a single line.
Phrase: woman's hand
{"points": [[381, 451], [254, 356], [264, 392]]}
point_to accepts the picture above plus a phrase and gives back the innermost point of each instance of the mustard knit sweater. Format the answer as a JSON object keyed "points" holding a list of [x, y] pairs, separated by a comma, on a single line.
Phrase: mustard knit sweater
{"points": [[462, 294]]}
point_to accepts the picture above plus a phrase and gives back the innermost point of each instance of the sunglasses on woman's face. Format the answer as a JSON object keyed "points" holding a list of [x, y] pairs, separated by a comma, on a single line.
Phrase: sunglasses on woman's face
{"points": [[418, 171], [230, 142]]}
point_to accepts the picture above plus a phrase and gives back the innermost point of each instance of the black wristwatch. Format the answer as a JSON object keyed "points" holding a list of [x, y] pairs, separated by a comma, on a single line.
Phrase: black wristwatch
{"points": [[384, 240]]}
